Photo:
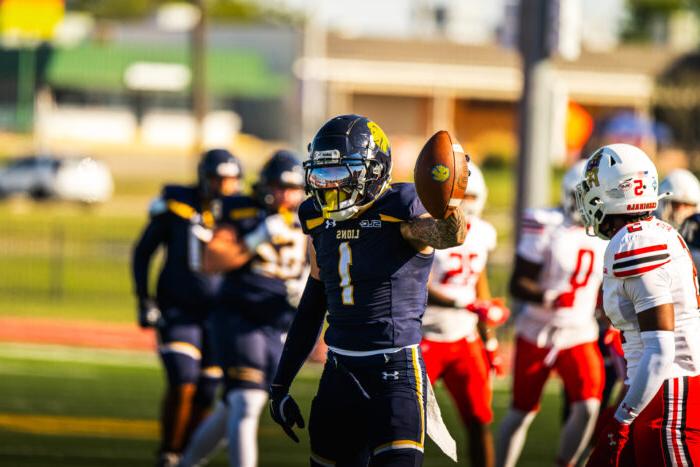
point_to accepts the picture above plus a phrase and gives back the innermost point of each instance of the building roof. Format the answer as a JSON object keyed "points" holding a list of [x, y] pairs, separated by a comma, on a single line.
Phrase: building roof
{"points": [[624, 76]]}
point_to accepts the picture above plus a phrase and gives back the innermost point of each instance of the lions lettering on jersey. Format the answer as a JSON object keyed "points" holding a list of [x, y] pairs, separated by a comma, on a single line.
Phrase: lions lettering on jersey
{"points": [[375, 281], [260, 289], [648, 264], [571, 261]]}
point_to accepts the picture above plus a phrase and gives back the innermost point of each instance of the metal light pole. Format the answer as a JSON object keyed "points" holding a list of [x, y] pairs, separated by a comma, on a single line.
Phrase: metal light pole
{"points": [[198, 50], [537, 21]]}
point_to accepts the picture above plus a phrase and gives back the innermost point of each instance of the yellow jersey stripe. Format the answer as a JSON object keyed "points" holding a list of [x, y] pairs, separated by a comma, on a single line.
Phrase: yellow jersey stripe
{"points": [[388, 218], [208, 219], [419, 390], [243, 213], [313, 223], [181, 209]]}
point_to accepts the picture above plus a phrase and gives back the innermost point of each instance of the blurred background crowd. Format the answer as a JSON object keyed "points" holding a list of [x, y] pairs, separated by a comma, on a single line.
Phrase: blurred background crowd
{"points": [[103, 101]]}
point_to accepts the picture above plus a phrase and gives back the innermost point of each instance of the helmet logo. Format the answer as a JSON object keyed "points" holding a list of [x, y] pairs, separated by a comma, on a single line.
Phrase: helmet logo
{"points": [[592, 169], [440, 173], [378, 136]]}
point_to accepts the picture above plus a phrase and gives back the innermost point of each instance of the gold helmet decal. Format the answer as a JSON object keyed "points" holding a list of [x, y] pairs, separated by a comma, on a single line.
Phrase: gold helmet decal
{"points": [[380, 139], [592, 169]]}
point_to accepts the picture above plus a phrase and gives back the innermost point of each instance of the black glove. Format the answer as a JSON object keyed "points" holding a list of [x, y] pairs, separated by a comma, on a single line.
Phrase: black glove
{"points": [[285, 411], [149, 314]]}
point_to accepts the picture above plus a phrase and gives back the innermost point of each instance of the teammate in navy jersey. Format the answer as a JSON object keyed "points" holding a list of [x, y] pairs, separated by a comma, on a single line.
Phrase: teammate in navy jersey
{"points": [[690, 230], [180, 221], [370, 258], [261, 248]]}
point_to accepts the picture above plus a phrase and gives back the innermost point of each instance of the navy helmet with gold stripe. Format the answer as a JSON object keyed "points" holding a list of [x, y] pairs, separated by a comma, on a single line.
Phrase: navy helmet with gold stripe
{"points": [[216, 163], [282, 170], [349, 166]]}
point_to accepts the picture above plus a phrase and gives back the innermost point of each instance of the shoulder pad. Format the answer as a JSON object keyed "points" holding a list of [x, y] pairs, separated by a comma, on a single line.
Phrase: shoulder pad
{"points": [[634, 251], [157, 207], [180, 200], [309, 216], [544, 217], [179, 193], [541, 221], [400, 203]]}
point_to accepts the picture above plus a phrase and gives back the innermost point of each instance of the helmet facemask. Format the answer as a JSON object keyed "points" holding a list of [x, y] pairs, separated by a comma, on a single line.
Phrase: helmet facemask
{"points": [[343, 183], [619, 180], [591, 210]]}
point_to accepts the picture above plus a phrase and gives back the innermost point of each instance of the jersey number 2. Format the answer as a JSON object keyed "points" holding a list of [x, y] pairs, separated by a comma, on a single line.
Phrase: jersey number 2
{"points": [[344, 263]]}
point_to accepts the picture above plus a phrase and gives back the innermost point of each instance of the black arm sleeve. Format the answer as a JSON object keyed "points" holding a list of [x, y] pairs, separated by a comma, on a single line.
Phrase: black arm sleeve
{"points": [[303, 333], [152, 236]]}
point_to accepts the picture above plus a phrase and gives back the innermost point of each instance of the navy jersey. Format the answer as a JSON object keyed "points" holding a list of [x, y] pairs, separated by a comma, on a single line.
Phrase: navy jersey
{"points": [[375, 281], [172, 217], [260, 289]]}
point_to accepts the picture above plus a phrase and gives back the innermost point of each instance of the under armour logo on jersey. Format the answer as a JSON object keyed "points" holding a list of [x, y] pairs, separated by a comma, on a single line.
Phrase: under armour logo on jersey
{"points": [[330, 223], [386, 376]]}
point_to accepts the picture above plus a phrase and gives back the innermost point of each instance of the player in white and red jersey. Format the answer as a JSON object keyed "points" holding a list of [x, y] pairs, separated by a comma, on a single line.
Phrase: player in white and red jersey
{"points": [[557, 275], [460, 309], [650, 293]]}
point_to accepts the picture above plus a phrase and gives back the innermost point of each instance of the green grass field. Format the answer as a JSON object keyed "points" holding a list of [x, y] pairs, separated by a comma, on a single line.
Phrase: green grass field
{"points": [[71, 262], [72, 407], [69, 407]]}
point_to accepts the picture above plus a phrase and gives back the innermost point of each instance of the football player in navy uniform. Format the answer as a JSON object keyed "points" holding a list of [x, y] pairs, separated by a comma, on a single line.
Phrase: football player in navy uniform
{"points": [[261, 248], [180, 221], [690, 231], [370, 258]]}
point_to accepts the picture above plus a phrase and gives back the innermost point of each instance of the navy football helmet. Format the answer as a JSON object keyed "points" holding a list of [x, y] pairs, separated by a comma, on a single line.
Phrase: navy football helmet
{"points": [[690, 231], [349, 166], [282, 170], [216, 163]]}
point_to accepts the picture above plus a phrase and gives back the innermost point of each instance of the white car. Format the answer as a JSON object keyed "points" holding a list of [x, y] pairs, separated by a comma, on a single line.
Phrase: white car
{"points": [[74, 179]]}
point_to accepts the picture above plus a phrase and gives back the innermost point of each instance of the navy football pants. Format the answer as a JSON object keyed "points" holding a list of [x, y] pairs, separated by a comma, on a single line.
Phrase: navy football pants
{"points": [[247, 352], [370, 410], [186, 350]]}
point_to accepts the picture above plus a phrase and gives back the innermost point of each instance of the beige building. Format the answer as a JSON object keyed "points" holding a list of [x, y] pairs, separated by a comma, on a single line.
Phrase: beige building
{"points": [[413, 87]]}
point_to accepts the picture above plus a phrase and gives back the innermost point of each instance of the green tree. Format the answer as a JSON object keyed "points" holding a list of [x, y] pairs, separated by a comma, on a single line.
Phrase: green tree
{"points": [[224, 10], [648, 19]]}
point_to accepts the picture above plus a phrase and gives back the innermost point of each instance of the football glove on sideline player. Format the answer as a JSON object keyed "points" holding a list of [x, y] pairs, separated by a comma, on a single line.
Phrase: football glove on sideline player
{"points": [[148, 313], [285, 411]]}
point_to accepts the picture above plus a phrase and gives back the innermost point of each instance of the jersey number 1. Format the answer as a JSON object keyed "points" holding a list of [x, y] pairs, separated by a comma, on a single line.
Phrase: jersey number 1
{"points": [[344, 263]]}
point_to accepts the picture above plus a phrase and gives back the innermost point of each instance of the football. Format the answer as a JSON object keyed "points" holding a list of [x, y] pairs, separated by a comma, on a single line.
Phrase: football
{"points": [[441, 174]]}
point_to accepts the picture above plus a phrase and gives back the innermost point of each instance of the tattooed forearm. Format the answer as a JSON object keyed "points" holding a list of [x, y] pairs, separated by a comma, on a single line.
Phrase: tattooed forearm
{"points": [[437, 233]]}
